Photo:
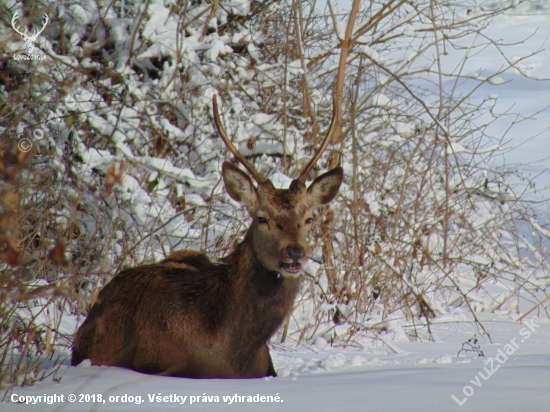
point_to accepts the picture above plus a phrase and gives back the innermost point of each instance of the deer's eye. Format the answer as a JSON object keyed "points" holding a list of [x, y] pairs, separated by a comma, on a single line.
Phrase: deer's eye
{"points": [[309, 221], [262, 220]]}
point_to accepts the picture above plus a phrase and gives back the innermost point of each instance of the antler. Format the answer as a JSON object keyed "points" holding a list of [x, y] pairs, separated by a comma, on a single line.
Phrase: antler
{"points": [[257, 177], [26, 35], [46, 20], [15, 27], [326, 141]]}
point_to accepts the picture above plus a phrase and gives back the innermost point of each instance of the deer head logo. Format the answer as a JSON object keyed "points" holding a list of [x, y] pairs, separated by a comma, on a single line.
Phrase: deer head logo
{"points": [[29, 39]]}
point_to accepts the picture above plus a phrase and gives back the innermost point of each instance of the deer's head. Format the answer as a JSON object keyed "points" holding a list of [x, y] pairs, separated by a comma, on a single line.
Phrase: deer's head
{"points": [[281, 217]]}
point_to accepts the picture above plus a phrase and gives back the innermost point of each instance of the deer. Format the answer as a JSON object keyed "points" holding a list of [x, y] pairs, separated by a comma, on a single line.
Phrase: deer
{"points": [[29, 39], [189, 317]]}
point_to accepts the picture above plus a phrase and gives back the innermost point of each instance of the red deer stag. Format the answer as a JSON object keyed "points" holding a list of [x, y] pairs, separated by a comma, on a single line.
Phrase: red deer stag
{"points": [[187, 316]]}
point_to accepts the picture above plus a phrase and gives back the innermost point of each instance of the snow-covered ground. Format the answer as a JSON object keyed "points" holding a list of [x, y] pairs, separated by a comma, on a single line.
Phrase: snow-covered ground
{"points": [[529, 141], [422, 376]]}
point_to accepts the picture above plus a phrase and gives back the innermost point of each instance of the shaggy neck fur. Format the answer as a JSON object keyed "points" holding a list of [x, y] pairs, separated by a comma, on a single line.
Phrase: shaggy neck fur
{"points": [[263, 299]]}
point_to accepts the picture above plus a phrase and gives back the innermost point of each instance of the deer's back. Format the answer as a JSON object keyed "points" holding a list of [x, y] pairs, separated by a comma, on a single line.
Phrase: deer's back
{"points": [[160, 318]]}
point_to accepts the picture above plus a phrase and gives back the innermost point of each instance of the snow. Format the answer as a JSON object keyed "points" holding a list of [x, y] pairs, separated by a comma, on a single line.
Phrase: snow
{"points": [[496, 80], [455, 148], [530, 143], [370, 52], [382, 100], [424, 377]]}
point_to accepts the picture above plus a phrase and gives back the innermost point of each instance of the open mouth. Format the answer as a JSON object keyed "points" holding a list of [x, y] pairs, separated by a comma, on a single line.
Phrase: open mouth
{"points": [[292, 268]]}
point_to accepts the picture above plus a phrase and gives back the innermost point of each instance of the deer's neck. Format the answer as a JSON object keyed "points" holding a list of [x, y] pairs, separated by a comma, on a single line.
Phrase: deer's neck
{"points": [[263, 299]]}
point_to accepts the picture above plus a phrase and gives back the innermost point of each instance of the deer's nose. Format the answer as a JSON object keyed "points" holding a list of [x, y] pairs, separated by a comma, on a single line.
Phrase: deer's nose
{"points": [[294, 253]]}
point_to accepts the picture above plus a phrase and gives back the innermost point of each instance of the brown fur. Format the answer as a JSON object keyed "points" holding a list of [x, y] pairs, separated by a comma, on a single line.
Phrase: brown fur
{"points": [[200, 319], [187, 316]]}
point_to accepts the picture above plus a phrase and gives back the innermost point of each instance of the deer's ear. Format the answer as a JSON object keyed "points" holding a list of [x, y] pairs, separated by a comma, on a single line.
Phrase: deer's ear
{"points": [[325, 187], [240, 187]]}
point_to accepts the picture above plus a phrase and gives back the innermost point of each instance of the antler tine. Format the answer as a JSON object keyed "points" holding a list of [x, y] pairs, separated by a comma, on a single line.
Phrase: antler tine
{"points": [[38, 31], [238, 155], [326, 141], [13, 20], [46, 20]]}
